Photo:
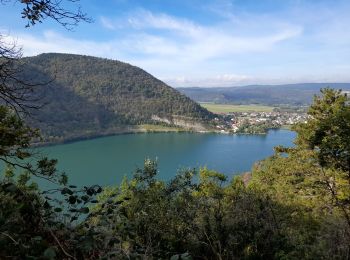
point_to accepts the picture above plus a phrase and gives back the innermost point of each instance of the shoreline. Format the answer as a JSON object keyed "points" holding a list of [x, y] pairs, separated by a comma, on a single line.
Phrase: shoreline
{"points": [[128, 131], [112, 133]]}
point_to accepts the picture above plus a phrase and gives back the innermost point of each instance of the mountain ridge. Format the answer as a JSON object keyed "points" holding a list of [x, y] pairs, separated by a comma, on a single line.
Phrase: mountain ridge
{"points": [[90, 96], [286, 94]]}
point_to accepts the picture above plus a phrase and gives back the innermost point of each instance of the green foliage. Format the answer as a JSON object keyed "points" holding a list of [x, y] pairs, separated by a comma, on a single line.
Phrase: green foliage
{"points": [[21, 226], [328, 130], [15, 136], [313, 178], [213, 219], [92, 96], [15, 139], [261, 128], [32, 223]]}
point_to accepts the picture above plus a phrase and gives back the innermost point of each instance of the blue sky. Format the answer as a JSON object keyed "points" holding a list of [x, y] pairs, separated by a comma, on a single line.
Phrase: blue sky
{"points": [[204, 43]]}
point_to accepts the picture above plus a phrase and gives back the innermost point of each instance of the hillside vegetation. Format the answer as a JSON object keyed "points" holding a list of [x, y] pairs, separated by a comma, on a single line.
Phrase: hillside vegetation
{"points": [[272, 95], [87, 96]]}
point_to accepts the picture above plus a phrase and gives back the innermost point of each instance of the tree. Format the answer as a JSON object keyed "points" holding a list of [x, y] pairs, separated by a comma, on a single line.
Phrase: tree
{"points": [[328, 130], [327, 134], [18, 97], [28, 221], [314, 175]]}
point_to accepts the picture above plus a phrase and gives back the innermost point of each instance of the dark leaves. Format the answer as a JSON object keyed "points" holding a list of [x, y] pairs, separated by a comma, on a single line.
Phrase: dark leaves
{"points": [[66, 191], [72, 199]]}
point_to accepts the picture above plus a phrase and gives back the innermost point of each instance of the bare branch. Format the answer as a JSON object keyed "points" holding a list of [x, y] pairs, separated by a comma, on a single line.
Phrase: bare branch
{"points": [[10, 237]]}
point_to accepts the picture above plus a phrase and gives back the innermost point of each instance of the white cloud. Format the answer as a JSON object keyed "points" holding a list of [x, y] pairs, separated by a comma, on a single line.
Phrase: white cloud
{"points": [[50, 41], [233, 80], [236, 49], [107, 23], [224, 80], [187, 43], [145, 19], [200, 42]]}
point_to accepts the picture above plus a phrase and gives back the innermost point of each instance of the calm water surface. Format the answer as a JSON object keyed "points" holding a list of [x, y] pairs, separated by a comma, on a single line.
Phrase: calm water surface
{"points": [[106, 160]]}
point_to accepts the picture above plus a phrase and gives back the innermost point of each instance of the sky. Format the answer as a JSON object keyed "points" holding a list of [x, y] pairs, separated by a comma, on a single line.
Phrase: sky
{"points": [[203, 43]]}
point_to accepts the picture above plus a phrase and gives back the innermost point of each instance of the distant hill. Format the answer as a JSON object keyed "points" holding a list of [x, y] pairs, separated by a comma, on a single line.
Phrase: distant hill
{"points": [[90, 96], [290, 94]]}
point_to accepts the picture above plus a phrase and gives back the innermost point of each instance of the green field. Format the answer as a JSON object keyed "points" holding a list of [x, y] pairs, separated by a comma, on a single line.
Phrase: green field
{"points": [[159, 128], [226, 108]]}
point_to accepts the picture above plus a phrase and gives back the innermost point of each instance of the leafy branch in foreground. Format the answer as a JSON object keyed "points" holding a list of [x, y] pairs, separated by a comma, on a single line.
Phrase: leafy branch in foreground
{"points": [[35, 11], [40, 224], [30, 224]]}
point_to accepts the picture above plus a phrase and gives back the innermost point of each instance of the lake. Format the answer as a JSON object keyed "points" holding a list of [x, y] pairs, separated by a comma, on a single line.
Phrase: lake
{"points": [[107, 160]]}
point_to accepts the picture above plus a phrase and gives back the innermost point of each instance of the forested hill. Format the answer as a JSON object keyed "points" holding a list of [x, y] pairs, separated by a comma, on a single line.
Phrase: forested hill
{"points": [[289, 94], [89, 96]]}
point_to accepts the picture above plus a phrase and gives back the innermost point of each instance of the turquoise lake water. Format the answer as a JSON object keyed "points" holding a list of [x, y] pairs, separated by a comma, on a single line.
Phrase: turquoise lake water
{"points": [[107, 160]]}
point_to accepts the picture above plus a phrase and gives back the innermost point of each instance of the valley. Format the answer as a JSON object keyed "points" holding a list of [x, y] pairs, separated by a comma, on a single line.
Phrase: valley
{"points": [[229, 108]]}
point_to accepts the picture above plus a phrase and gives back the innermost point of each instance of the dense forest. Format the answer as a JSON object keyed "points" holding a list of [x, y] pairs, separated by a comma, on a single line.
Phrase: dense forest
{"points": [[85, 96], [274, 95], [295, 205]]}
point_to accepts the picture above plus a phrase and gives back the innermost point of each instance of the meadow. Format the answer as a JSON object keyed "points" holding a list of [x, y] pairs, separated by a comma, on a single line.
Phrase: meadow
{"points": [[227, 108]]}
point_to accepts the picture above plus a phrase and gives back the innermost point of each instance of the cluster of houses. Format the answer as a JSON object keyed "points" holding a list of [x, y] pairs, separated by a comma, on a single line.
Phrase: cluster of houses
{"points": [[235, 121]]}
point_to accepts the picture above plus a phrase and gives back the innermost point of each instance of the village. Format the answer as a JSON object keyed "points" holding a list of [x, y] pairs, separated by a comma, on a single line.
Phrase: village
{"points": [[259, 122]]}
